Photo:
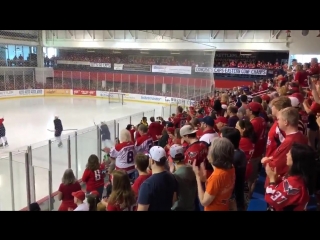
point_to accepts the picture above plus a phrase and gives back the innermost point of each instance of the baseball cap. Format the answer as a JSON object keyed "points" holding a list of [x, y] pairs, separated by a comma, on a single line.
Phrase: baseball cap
{"points": [[80, 195], [294, 101], [170, 130], [187, 130], [266, 98], [176, 151], [221, 120], [156, 153], [207, 120], [254, 106]]}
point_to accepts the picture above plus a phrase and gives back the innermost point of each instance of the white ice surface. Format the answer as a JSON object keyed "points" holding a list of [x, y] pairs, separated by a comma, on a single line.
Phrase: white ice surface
{"points": [[27, 121]]}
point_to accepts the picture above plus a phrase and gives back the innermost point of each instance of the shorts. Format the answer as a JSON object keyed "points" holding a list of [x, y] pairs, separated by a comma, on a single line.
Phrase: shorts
{"points": [[57, 133], [255, 169]]}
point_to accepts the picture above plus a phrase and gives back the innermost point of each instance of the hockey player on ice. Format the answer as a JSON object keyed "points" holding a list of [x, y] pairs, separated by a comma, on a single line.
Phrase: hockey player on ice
{"points": [[3, 134], [58, 130]]}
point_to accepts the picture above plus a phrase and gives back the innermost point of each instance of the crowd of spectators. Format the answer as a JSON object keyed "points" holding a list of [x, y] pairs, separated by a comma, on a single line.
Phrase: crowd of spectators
{"points": [[209, 156]]}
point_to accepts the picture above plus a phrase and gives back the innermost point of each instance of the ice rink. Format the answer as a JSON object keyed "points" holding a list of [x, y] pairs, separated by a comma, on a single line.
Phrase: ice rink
{"points": [[27, 121]]}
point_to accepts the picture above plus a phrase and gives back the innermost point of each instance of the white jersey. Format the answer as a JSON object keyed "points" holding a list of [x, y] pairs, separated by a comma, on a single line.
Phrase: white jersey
{"points": [[209, 137], [143, 144], [124, 154]]}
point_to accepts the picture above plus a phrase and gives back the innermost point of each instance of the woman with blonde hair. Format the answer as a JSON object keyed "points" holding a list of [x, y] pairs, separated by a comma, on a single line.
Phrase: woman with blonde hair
{"points": [[224, 100], [122, 197], [69, 184], [123, 153], [301, 76]]}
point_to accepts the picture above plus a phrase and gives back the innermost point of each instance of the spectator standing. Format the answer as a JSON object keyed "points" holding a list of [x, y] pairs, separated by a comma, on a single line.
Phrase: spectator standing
{"points": [[293, 190], [67, 187], [288, 120], [220, 184], [105, 135], [242, 104], [145, 142], [232, 114], [93, 175], [186, 180], [208, 132], [142, 164], [155, 129], [239, 164], [158, 192]]}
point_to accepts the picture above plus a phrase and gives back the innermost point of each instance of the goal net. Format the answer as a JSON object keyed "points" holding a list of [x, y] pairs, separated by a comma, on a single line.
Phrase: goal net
{"points": [[116, 97]]}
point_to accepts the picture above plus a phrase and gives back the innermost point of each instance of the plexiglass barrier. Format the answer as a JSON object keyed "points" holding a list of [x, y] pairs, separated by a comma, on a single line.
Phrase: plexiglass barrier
{"points": [[33, 173]]}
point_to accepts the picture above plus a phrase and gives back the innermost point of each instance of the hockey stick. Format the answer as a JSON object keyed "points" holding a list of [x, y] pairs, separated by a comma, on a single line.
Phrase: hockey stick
{"points": [[63, 130]]}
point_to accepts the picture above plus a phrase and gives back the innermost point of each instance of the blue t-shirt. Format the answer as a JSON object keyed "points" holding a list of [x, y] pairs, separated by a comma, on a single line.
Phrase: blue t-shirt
{"points": [[157, 191]]}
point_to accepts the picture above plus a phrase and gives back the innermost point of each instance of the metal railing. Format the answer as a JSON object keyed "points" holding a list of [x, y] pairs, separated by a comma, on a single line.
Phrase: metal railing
{"points": [[47, 78]]}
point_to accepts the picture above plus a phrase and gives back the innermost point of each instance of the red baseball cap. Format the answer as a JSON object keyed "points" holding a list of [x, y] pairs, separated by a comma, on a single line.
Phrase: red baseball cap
{"points": [[170, 130], [265, 97], [80, 195], [221, 120], [254, 106]]}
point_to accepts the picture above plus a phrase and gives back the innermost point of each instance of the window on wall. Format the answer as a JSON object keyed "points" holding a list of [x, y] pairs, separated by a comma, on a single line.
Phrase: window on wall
{"points": [[301, 58], [49, 52], [11, 51], [25, 52]]}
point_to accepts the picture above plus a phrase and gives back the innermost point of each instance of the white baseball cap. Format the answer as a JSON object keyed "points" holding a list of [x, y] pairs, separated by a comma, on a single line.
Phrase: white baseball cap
{"points": [[156, 153], [187, 130], [294, 102], [176, 151]]}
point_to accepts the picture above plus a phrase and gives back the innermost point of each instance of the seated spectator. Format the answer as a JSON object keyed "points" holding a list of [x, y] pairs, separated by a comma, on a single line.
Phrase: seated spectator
{"points": [[67, 187], [158, 192], [220, 184], [186, 180], [291, 193], [79, 198], [239, 164]]}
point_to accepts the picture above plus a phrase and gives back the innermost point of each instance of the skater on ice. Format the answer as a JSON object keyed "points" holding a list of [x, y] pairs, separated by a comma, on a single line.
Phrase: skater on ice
{"points": [[58, 130], [3, 134]]}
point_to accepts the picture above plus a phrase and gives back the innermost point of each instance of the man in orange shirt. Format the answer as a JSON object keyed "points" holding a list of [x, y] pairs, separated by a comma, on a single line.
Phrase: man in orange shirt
{"points": [[220, 184]]}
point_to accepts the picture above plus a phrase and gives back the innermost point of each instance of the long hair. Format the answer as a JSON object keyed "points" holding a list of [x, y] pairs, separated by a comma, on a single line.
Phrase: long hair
{"points": [[68, 177], [93, 163], [122, 192], [304, 165], [92, 201], [248, 130]]}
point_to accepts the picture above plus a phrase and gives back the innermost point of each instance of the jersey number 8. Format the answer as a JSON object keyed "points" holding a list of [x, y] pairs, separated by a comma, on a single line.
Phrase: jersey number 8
{"points": [[130, 157]]}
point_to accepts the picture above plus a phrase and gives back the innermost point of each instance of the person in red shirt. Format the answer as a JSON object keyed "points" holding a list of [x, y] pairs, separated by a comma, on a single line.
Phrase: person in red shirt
{"points": [[197, 150], [264, 85], [131, 129], [288, 120], [142, 164], [301, 76], [170, 131], [314, 68], [259, 125], [275, 135], [145, 142], [247, 142], [67, 187], [293, 190], [154, 129], [122, 197], [93, 175], [180, 119]]}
